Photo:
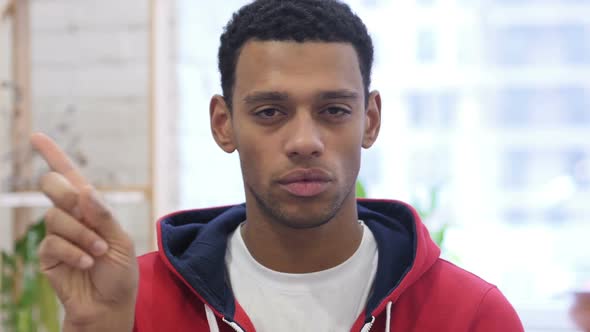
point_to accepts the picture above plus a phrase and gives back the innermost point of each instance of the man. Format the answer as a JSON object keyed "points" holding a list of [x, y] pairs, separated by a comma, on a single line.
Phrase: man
{"points": [[302, 254]]}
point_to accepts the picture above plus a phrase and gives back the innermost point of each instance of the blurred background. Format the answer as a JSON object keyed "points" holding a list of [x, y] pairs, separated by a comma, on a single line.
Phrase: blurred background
{"points": [[486, 124]]}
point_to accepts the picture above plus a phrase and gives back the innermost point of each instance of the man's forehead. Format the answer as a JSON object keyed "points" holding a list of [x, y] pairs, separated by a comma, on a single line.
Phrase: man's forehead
{"points": [[267, 63]]}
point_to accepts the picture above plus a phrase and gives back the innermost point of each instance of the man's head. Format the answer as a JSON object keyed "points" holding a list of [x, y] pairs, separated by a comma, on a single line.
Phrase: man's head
{"points": [[300, 110], [288, 20]]}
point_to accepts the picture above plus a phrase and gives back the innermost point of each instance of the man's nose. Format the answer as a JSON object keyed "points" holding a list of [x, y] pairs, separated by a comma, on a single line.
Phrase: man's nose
{"points": [[304, 138]]}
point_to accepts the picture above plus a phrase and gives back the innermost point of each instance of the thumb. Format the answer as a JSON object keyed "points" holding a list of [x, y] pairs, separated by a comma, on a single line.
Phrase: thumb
{"points": [[96, 213]]}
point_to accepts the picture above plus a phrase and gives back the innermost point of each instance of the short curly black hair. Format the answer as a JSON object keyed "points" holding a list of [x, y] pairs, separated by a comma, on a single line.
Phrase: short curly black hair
{"points": [[292, 20]]}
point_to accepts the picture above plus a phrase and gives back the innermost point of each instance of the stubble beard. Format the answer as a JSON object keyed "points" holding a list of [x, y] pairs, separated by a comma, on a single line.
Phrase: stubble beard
{"points": [[273, 208]]}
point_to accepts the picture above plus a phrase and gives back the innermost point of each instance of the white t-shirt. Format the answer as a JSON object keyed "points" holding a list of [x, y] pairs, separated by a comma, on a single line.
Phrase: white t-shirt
{"points": [[328, 300]]}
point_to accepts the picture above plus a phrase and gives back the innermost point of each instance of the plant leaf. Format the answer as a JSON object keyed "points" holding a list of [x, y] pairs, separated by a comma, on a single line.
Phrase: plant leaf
{"points": [[48, 305], [360, 190], [37, 305], [7, 259], [438, 236]]}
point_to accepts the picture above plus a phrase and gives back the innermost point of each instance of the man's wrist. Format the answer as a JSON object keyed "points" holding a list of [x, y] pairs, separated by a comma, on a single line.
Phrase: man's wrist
{"points": [[117, 321], [108, 325]]}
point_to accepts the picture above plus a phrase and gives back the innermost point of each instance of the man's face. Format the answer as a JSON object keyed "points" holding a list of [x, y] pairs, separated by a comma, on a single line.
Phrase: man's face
{"points": [[299, 122]]}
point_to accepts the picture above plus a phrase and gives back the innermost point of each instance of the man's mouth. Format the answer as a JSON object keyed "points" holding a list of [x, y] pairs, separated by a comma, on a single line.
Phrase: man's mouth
{"points": [[305, 182]]}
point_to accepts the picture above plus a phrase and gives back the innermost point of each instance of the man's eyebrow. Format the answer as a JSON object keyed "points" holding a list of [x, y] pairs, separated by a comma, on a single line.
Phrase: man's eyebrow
{"points": [[277, 96], [338, 94], [265, 96]]}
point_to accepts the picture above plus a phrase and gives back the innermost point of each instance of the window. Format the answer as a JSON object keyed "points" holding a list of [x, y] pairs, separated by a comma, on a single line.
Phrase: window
{"points": [[520, 44], [426, 45], [431, 110]]}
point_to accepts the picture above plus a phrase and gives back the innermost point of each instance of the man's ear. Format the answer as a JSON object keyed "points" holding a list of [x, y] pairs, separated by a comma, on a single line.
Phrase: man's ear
{"points": [[221, 124], [372, 119]]}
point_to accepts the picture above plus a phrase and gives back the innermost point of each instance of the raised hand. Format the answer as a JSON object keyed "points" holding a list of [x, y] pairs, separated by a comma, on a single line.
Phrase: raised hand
{"points": [[86, 255]]}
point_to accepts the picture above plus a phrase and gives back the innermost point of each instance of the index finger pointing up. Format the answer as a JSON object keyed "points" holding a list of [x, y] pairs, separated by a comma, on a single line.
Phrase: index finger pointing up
{"points": [[57, 159]]}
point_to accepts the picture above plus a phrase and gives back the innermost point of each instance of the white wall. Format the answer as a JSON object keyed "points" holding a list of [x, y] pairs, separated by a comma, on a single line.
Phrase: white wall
{"points": [[90, 91]]}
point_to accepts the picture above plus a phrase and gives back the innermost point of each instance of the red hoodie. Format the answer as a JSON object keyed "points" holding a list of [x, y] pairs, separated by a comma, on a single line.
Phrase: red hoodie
{"points": [[184, 286]]}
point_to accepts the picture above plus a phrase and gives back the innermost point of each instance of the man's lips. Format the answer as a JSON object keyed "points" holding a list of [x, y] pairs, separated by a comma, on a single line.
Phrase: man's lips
{"points": [[305, 182], [305, 175]]}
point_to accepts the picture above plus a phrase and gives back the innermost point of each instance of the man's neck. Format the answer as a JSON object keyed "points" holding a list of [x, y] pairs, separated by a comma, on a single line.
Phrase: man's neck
{"points": [[290, 250]]}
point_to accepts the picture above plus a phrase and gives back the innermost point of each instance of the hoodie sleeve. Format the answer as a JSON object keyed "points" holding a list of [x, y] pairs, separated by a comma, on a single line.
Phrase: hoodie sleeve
{"points": [[496, 314]]}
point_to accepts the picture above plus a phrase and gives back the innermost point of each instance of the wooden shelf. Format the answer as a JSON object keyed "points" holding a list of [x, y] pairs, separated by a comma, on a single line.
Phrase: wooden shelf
{"points": [[37, 199]]}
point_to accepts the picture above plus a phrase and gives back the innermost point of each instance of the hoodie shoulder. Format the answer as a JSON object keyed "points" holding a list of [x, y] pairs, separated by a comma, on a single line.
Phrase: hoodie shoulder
{"points": [[496, 314], [453, 278], [468, 300]]}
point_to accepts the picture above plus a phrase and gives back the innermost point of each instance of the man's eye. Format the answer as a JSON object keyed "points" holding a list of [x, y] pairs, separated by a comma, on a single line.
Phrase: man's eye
{"points": [[336, 111], [267, 113]]}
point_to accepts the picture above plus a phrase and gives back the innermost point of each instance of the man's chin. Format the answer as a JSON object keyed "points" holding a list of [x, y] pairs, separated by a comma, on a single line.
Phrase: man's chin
{"points": [[305, 215], [298, 212], [300, 222]]}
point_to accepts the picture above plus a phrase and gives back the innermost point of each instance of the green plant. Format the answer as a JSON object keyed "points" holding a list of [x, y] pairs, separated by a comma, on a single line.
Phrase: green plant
{"points": [[360, 190], [425, 209], [27, 301]]}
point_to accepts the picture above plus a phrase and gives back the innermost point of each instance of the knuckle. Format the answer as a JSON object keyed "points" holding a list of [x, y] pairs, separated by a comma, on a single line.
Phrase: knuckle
{"points": [[47, 246], [69, 199], [59, 190], [45, 181], [51, 242], [104, 214], [85, 236], [51, 217], [54, 247], [42, 250]]}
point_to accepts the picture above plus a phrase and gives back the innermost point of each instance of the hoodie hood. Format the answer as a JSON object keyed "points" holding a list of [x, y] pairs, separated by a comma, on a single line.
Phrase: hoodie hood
{"points": [[193, 243]]}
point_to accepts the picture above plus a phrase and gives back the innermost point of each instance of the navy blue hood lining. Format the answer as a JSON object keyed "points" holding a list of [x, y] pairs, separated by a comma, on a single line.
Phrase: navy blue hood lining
{"points": [[396, 244], [195, 242]]}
